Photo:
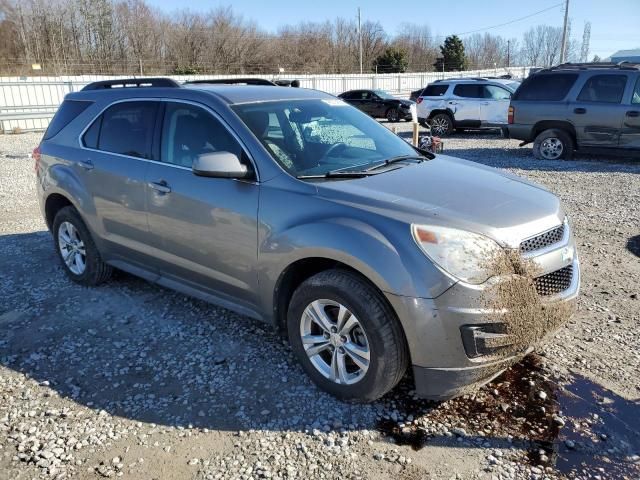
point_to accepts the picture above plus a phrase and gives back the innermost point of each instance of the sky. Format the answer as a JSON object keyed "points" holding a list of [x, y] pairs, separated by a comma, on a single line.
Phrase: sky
{"points": [[615, 24]]}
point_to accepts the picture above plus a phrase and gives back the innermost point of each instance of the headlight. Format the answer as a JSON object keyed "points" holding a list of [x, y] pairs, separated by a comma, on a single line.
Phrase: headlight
{"points": [[465, 255]]}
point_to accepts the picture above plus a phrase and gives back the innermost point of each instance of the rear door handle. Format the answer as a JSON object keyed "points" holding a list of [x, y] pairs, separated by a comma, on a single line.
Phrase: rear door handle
{"points": [[86, 164], [160, 186], [633, 113], [485, 103], [579, 111]]}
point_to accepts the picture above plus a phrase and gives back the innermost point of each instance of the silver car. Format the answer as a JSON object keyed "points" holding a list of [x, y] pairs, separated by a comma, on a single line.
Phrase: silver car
{"points": [[294, 208]]}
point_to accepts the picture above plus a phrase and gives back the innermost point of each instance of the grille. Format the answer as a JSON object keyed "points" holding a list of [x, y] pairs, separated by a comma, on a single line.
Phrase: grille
{"points": [[554, 282], [543, 240]]}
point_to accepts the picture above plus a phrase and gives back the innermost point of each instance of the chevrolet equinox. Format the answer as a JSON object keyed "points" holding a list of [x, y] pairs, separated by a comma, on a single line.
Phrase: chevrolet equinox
{"points": [[292, 207]]}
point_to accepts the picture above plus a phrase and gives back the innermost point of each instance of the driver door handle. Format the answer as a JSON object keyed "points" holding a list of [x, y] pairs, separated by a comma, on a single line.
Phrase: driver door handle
{"points": [[160, 186], [580, 111], [633, 113], [453, 103]]}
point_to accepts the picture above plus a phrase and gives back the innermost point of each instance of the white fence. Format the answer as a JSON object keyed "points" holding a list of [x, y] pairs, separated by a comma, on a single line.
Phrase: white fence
{"points": [[28, 103]]}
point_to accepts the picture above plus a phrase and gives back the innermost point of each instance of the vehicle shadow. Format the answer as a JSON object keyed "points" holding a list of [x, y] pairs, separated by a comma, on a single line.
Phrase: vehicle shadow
{"points": [[140, 352]]}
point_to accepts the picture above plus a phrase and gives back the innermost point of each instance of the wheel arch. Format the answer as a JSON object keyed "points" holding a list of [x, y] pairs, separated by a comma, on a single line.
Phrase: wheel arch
{"points": [[53, 204], [564, 125]]}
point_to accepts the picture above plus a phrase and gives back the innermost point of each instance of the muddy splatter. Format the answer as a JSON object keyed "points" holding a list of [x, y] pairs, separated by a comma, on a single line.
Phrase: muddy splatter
{"points": [[512, 299], [569, 424]]}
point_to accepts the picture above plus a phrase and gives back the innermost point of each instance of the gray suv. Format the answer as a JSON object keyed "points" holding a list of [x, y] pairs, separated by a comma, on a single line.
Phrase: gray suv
{"points": [[578, 107], [296, 209]]}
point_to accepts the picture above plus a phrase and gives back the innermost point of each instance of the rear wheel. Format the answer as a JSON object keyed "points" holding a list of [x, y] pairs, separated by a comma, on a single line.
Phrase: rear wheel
{"points": [[79, 256], [553, 144], [441, 124], [346, 337]]}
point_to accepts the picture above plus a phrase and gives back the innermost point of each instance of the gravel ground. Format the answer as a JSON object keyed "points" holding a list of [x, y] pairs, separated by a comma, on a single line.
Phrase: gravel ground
{"points": [[131, 380]]}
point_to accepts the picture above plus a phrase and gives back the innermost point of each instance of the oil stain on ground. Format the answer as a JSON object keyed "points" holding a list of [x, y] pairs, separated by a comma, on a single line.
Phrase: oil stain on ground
{"points": [[571, 424]]}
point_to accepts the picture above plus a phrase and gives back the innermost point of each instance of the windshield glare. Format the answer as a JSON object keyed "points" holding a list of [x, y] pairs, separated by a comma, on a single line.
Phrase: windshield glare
{"points": [[313, 137]]}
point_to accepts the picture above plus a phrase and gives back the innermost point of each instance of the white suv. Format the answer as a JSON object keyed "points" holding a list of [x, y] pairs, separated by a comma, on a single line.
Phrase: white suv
{"points": [[465, 103]]}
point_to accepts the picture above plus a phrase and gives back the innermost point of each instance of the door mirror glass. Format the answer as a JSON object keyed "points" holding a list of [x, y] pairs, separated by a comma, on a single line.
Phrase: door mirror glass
{"points": [[219, 165]]}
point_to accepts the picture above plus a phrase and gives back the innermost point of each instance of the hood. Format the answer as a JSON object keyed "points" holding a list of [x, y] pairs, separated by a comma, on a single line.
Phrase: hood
{"points": [[453, 192]]}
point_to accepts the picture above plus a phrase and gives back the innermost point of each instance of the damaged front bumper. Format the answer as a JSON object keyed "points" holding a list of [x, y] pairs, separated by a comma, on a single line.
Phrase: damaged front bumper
{"points": [[457, 344]]}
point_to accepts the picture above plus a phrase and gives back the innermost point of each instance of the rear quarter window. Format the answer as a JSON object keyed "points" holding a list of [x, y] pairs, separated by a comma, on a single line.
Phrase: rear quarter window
{"points": [[551, 88], [435, 90], [69, 109]]}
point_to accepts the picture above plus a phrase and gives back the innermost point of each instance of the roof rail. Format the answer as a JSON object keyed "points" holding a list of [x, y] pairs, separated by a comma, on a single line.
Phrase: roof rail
{"points": [[594, 65], [478, 79], [233, 81], [132, 82]]}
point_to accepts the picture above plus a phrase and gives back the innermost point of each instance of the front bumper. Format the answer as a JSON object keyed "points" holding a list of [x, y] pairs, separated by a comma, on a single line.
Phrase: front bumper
{"points": [[445, 365]]}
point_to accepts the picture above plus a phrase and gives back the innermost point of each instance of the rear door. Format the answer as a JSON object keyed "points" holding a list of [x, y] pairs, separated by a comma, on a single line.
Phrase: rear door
{"points": [[495, 106], [117, 149], [206, 228], [466, 102], [597, 112], [630, 134]]}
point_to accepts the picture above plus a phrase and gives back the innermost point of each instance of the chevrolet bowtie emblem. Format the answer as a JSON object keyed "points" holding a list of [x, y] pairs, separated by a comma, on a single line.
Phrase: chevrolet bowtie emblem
{"points": [[567, 254]]}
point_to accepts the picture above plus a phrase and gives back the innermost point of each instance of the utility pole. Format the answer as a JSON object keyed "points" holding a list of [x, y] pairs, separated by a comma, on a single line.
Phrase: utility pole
{"points": [[360, 39], [564, 32], [508, 53]]}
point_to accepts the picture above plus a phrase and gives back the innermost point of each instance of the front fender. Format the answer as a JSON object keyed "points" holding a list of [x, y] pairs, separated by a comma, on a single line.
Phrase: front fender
{"points": [[394, 265]]}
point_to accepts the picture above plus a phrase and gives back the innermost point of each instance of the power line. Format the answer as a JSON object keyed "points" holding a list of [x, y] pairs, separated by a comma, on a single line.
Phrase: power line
{"points": [[510, 21]]}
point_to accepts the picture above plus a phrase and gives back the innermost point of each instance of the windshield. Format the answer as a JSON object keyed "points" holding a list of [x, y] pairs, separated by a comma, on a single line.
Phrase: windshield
{"points": [[384, 95], [314, 137]]}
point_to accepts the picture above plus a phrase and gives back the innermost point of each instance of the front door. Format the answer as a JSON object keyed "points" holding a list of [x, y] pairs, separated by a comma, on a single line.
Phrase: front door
{"points": [[597, 114], [495, 106], [630, 135], [207, 227]]}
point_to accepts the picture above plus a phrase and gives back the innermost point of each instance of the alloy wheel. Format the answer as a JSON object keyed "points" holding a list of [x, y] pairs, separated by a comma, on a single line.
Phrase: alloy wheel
{"points": [[72, 248], [440, 126], [335, 341], [551, 148]]}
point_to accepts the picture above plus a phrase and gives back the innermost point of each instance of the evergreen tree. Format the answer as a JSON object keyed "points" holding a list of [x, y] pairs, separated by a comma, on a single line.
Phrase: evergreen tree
{"points": [[452, 55], [392, 60]]}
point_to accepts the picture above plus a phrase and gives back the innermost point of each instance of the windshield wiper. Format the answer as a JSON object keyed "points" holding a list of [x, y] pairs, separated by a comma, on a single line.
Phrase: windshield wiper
{"points": [[392, 160], [336, 174]]}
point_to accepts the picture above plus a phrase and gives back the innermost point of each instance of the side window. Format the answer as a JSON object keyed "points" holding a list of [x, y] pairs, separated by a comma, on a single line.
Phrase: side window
{"points": [[468, 90], [635, 96], [90, 138], [435, 90], [496, 93], [69, 110], [603, 89], [365, 95], [189, 131], [127, 128], [551, 87]]}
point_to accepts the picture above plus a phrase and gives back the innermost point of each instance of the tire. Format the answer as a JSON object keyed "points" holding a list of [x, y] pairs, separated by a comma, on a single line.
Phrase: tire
{"points": [[441, 124], [393, 115], [553, 144], [376, 331], [68, 225]]}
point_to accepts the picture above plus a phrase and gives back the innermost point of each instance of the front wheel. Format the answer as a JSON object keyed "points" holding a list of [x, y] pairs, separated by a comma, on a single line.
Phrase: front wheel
{"points": [[553, 144], [346, 337]]}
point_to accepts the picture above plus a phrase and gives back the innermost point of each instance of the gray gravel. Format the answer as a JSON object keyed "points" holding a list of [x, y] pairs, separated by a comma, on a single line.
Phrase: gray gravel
{"points": [[131, 380]]}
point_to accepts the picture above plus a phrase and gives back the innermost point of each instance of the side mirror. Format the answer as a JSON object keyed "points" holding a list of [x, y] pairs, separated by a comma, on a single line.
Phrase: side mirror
{"points": [[219, 165]]}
